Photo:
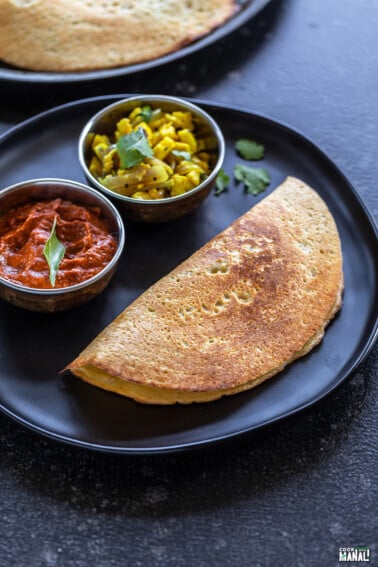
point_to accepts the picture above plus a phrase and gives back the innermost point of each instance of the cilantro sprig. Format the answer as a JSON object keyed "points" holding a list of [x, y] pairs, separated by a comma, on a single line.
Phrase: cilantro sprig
{"points": [[254, 179], [249, 149], [222, 182], [145, 113], [133, 148]]}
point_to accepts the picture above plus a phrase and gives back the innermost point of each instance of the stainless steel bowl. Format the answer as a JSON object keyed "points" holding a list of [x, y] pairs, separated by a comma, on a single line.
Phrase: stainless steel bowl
{"points": [[59, 299], [158, 210]]}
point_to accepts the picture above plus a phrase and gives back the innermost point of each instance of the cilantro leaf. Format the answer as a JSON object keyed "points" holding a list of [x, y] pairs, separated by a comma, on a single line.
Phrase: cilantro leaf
{"points": [[146, 113], [53, 251], [249, 149], [255, 179], [133, 147], [221, 182]]}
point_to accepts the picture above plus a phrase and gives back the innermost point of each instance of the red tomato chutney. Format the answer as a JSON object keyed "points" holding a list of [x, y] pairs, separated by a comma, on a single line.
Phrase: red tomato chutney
{"points": [[25, 229]]}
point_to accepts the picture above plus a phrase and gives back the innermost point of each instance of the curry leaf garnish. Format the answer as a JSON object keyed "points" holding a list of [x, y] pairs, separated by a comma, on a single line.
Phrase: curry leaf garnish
{"points": [[53, 251], [221, 182], [249, 149], [133, 147], [255, 179]]}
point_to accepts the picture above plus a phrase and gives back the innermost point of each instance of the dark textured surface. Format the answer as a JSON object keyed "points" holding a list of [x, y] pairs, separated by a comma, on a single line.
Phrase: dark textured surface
{"points": [[297, 492]]}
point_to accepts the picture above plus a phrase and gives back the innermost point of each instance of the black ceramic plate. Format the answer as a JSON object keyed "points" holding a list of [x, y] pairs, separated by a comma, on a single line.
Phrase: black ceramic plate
{"points": [[35, 347], [248, 9]]}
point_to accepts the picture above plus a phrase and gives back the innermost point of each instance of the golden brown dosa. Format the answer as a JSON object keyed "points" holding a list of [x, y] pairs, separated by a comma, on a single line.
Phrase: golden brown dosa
{"points": [[246, 304], [98, 34]]}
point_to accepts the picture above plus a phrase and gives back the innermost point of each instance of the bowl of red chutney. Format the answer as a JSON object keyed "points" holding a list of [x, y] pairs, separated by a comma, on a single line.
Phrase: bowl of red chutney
{"points": [[60, 244]]}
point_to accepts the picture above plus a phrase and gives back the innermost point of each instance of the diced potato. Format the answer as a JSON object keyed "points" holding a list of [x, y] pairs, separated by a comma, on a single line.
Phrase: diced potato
{"points": [[202, 163], [100, 139], [95, 166], [188, 138], [156, 137], [184, 167], [181, 184], [157, 120], [182, 119], [169, 130], [164, 147], [135, 112], [123, 127], [109, 160], [100, 149], [163, 175], [194, 177]]}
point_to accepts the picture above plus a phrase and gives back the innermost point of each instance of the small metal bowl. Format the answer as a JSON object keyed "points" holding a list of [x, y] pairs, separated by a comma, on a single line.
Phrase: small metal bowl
{"points": [[60, 299], [157, 210]]}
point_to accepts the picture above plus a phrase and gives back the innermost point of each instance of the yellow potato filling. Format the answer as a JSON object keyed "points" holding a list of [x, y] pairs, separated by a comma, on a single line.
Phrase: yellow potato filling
{"points": [[173, 155]]}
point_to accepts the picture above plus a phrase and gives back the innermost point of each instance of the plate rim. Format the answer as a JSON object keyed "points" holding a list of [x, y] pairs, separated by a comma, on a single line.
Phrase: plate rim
{"points": [[15, 75], [352, 363]]}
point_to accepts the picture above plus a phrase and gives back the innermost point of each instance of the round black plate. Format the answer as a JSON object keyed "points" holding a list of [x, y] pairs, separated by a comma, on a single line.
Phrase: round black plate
{"points": [[248, 9], [35, 347]]}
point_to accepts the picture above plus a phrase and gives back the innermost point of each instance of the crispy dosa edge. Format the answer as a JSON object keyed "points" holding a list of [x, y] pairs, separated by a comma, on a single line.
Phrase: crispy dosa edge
{"points": [[98, 374]]}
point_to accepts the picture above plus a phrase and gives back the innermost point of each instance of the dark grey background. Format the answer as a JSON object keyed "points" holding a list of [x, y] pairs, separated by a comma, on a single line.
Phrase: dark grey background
{"points": [[295, 493]]}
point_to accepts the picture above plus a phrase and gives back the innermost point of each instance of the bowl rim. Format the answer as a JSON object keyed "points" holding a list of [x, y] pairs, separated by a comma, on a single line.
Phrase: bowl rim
{"points": [[155, 98], [82, 285]]}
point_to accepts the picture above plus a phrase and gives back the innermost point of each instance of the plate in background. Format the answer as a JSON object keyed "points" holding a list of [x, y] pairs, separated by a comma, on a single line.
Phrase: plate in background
{"points": [[10, 74]]}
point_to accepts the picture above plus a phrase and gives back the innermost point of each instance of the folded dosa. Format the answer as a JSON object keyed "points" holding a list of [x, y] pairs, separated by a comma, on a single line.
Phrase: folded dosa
{"points": [[250, 301], [97, 34]]}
